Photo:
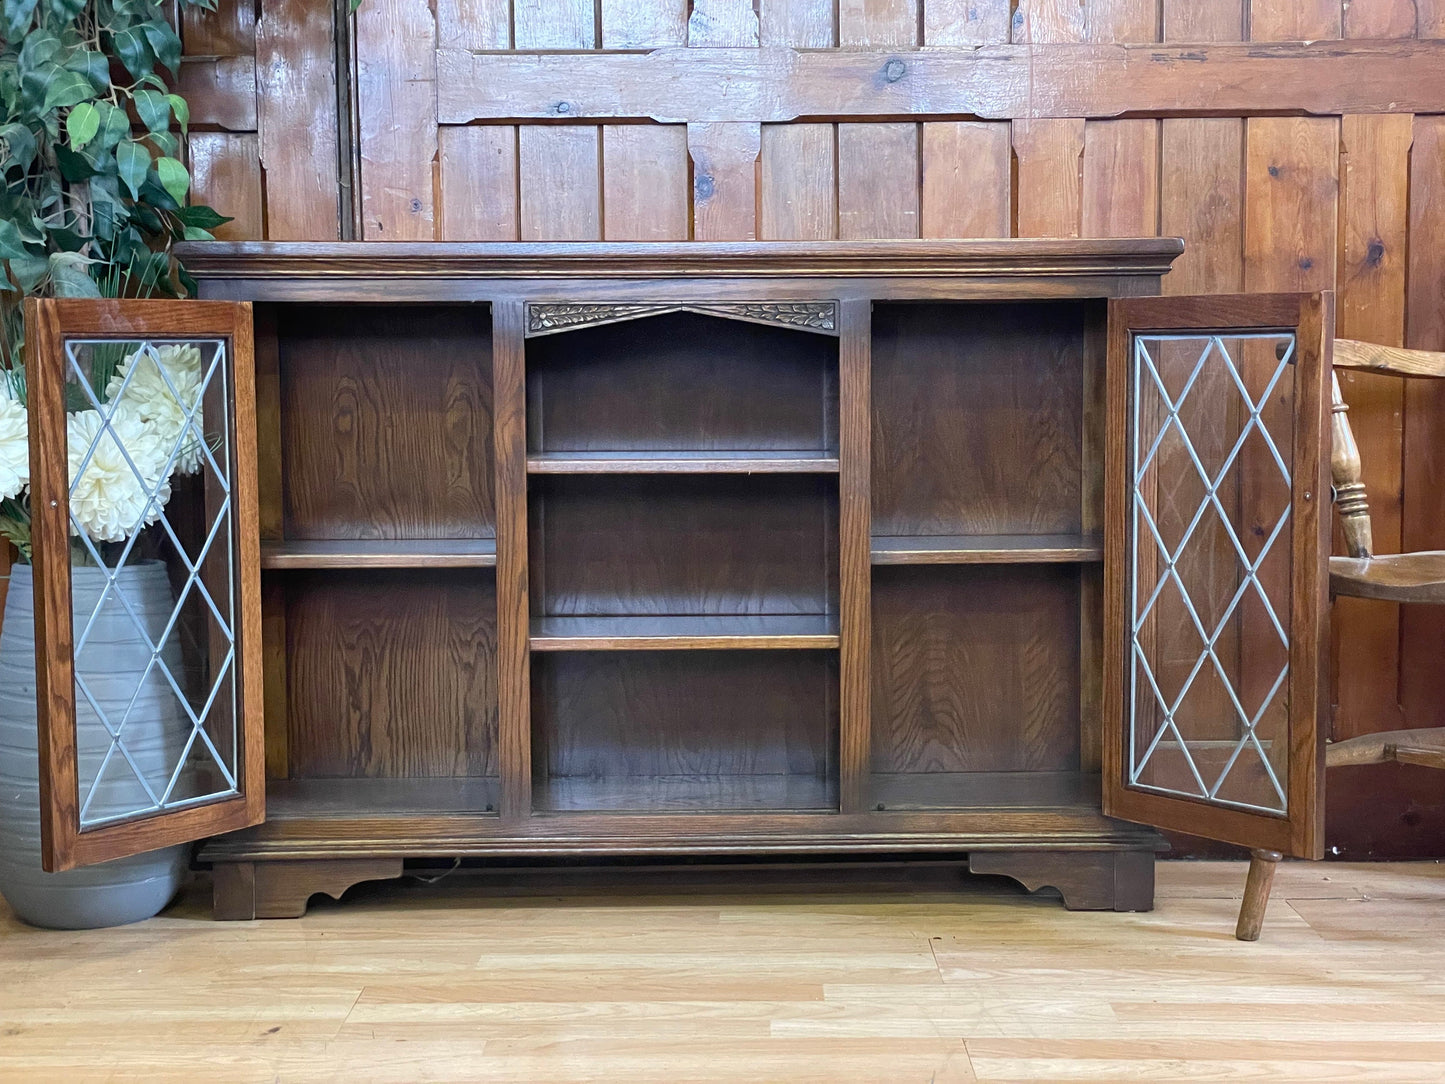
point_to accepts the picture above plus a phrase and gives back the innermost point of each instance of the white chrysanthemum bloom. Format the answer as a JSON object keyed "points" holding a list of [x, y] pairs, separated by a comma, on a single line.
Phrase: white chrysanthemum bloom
{"points": [[14, 446], [109, 501], [153, 401]]}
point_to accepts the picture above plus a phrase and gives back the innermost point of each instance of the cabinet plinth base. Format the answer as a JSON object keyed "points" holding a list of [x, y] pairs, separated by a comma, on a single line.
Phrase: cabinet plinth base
{"points": [[1088, 880], [245, 890]]}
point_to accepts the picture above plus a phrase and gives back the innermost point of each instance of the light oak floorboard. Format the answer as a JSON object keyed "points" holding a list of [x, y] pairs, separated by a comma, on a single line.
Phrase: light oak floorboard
{"points": [[919, 973]]}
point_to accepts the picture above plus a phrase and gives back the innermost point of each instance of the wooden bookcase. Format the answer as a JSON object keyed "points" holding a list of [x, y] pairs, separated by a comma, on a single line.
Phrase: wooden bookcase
{"points": [[685, 549]]}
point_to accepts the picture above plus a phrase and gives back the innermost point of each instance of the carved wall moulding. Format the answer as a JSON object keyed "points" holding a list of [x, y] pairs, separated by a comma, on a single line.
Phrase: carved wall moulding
{"points": [[821, 317]]}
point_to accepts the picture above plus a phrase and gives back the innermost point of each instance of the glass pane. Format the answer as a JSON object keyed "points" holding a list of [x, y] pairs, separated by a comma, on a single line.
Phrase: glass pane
{"points": [[1211, 474], [152, 565]]}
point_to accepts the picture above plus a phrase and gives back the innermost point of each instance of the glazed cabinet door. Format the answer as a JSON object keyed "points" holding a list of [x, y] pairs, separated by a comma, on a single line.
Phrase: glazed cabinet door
{"points": [[145, 549], [1217, 514]]}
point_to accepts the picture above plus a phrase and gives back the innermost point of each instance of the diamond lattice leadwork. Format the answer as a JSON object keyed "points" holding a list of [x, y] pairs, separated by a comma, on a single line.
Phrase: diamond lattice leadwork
{"points": [[153, 575], [1210, 569]]}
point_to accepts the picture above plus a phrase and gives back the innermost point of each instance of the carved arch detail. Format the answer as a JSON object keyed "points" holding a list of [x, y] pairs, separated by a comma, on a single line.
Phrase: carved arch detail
{"points": [[549, 318]]}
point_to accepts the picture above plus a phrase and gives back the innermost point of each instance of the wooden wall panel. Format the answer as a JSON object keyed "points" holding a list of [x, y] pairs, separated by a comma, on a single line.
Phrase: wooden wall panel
{"points": [[877, 181], [474, 24], [798, 200], [1201, 199], [226, 173], [477, 179], [395, 93], [1374, 200], [1294, 20], [228, 30], [560, 189], [1291, 198], [1430, 18], [1121, 178], [1204, 20], [644, 182], [806, 24], [890, 23], [1379, 19], [724, 180], [554, 24], [627, 24], [967, 179], [966, 22], [1049, 187]]}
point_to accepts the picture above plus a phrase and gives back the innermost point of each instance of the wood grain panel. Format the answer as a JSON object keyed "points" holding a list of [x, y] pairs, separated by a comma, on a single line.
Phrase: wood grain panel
{"points": [[890, 23], [967, 179], [1121, 178], [977, 418], [641, 387], [1204, 20], [855, 519], [724, 180], [1294, 20], [1201, 199], [1380, 18], [296, 110], [228, 30], [804, 24], [397, 122], [966, 22], [352, 383], [1375, 179], [716, 23], [221, 91], [1049, 189], [1292, 192], [798, 199], [1422, 682], [877, 181], [682, 545], [975, 669], [226, 175], [627, 24], [392, 675], [1430, 18], [478, 182], [554, 24], [560, 182], [1047, 21], [1122, 20], [474, 24], [644, 182], [646, 717]]}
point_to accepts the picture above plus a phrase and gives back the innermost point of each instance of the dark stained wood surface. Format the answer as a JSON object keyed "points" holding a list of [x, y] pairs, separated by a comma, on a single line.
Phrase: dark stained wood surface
{"points": [[975, 669], [649, 632], [391, 674], [355, 465], [1397, 577], [381, 553], [974, 549], [977, 417]]}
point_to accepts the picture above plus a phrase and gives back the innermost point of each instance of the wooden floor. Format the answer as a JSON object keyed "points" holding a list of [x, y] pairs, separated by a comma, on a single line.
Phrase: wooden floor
{"points": [[900, 975]]}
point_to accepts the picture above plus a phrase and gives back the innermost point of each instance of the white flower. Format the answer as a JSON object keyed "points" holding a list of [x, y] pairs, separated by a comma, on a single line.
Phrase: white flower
{"points": [[108, 501], [151, 399], [14, 446]]}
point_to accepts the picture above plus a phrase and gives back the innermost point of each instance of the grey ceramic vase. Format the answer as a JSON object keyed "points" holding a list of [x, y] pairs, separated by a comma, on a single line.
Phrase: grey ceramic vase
{"points": [[113, 660]]}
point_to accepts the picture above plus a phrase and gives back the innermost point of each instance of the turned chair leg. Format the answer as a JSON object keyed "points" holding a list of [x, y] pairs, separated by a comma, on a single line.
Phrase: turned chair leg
{"points": [[1256, 894]]}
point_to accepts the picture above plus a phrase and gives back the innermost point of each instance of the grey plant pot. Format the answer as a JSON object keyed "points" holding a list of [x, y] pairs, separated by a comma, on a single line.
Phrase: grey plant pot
{"points": [[113, 659]]}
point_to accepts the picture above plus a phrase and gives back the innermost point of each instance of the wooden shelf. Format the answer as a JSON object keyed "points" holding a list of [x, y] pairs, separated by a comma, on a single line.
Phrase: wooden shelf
{"points": [[684, 462], [381, 553], [292, 799], [664, 633], [983, 790], [685, 793], [998, 549]]}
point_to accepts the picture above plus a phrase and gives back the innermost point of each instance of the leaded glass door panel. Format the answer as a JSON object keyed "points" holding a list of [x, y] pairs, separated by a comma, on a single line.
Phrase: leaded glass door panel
{"points": [[1217, 518], [142, 507]]}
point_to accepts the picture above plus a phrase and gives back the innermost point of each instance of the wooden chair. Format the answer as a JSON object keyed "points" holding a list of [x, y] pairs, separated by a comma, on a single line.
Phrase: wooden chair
{"points": [[1398, 577]]}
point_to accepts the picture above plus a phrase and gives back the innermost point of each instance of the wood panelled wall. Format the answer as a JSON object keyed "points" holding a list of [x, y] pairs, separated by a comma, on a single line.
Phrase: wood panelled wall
{"points": [[1285, 167]]}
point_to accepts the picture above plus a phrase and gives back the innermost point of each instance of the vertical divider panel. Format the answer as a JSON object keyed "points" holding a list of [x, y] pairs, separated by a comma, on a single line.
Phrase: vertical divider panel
{"points": [[854, 559], [1091, 577], [514, 714]]}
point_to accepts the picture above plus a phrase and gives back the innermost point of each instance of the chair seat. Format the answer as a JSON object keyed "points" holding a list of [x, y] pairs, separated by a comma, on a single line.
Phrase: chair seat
{"points": [[1396, 577], [1424, 747]]}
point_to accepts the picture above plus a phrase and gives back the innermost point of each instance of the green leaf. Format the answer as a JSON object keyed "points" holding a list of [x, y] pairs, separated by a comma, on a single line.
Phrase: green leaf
{"points": [[181, 110], [132, 160], [82, 124], [153, 108], [134, 51], [66, 10], [28, 271], [174, 178], [164, 43], [195, 233], [19, 146], [114, 125], [64, 88], [12, 245], [91, 64], [75, 166], [201, 216], [17, 18], [70, 277], [164, 143]]}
